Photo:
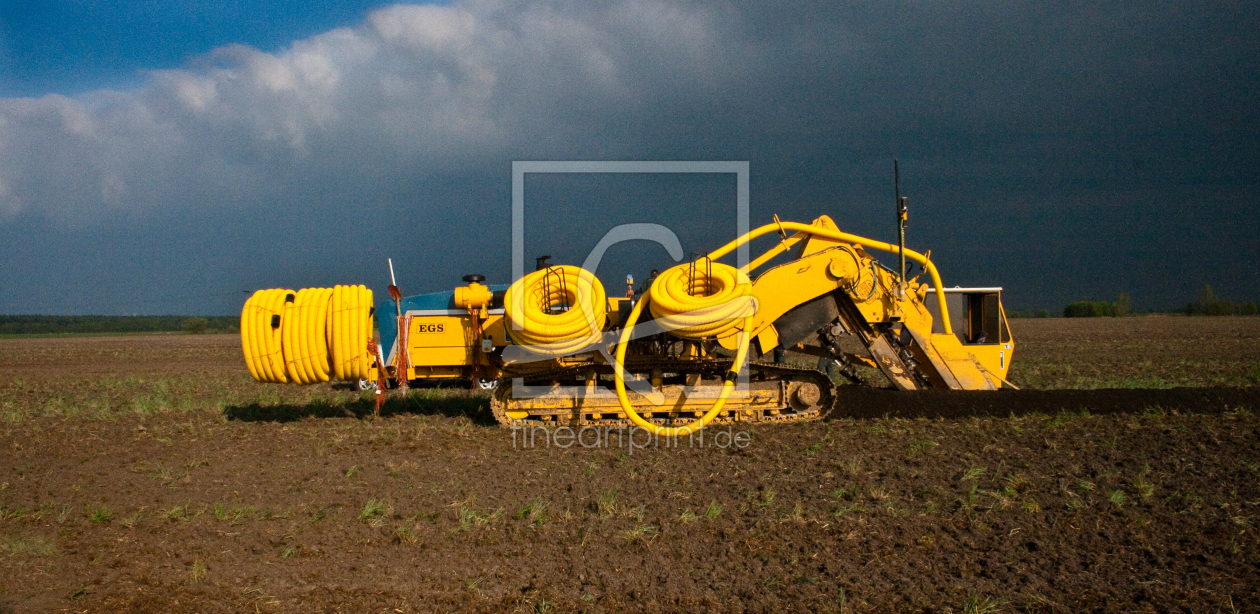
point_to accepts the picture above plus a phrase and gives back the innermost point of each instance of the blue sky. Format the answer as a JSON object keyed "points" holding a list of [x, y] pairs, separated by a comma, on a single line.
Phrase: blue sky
{"points": [[74, 47], [168, 157]]}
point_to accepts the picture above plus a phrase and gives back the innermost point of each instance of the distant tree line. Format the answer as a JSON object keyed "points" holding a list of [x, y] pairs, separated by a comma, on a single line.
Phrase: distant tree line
{"points": [[1090, 309], [42, 325], [1211, 305], [1208, 304]]}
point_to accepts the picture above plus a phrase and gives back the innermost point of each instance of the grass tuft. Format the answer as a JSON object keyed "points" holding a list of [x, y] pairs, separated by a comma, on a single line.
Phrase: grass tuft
{"points": [[713, 510], [851, 467], [1016, 481], [469, 517], [1144, 487], [796, 515], [29, 545], [607, 504], [533, 512], [162, 473], [224, 513], [373, 508], [198, 571], [1001, 502], [131, 521], [1116, 497], [767, 498], [980, 605], [640, 534], [101, 515], [405, 534]]}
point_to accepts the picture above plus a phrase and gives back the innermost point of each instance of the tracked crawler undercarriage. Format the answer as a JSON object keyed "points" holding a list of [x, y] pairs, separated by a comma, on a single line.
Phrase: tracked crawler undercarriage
{"points": [[684, 391]]}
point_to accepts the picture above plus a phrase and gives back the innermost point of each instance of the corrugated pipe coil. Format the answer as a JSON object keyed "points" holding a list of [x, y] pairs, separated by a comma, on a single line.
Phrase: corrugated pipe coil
{"points": [[308, 336], [556, 311], [708, 301]]}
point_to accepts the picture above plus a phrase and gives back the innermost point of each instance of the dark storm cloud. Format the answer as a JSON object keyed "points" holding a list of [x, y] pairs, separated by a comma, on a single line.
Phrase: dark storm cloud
{"points": [[414, 89], [1062, 149]]}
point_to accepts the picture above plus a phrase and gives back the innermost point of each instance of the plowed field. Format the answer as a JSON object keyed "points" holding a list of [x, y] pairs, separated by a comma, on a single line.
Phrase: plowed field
{"points": [[150, 474]]}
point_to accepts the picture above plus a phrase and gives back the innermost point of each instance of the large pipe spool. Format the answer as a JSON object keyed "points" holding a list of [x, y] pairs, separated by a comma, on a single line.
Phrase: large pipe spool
{"points": [[309, 336]]}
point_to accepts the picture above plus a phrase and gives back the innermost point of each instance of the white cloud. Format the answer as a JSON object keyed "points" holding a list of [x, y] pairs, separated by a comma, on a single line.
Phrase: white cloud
{"points": [[410, 89]]}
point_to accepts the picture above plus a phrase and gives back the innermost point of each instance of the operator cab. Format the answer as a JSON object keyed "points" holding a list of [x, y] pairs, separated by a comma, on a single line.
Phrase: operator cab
{"points": [[975, 314], [979, 322]]}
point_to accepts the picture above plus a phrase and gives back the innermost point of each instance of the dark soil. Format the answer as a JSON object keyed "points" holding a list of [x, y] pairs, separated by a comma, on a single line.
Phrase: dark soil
{"points": [[127, 489], [863, 402]]}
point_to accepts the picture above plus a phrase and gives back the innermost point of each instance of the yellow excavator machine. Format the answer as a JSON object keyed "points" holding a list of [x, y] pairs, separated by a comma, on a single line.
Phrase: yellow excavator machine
{"points": [[698, 348], [680, 349]]}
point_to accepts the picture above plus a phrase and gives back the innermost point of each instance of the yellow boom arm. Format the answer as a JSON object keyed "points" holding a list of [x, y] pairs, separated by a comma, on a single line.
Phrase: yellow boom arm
{"points": [[807, 229]]}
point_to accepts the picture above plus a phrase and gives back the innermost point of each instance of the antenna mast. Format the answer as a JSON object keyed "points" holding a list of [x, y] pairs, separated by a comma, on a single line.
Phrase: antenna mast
{"points": [[901, 229]]}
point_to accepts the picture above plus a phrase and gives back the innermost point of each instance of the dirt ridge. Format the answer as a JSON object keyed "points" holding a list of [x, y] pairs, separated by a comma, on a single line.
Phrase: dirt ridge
{"points": [[862, 402]]}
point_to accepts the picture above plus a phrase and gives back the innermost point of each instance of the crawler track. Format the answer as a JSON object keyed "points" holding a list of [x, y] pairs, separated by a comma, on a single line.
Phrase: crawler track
{"points": [[776, 393]]}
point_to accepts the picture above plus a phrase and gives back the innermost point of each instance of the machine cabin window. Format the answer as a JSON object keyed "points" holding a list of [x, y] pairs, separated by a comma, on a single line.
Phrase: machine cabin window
{"points": [[984, 319]]}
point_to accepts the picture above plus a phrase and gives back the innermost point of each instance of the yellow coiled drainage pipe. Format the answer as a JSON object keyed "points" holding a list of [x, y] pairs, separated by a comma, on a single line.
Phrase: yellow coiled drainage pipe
{"points": [[694, 302], [706, 301], [529, 301], [308, 336], [261, 335], [303, 325], [351, 327]]}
